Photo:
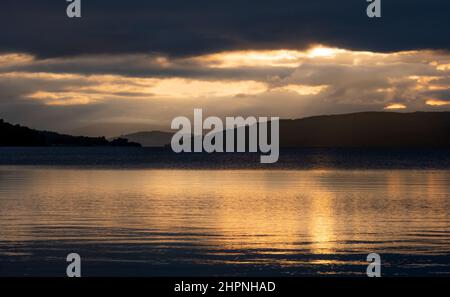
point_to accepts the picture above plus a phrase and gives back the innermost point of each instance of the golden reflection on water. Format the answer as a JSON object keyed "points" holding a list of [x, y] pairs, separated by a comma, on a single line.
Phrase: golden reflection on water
{"points": [[264, 212]]}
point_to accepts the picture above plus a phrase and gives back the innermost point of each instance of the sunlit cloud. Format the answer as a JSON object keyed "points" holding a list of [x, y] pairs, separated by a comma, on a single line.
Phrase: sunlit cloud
{"points": [[15, 59], [273, 58], [443, 67], [324, 52], [302, 89], [283, 57], [40, 76], [424, 79], [195, 88], [62, 98], [90, 89], [395, 106], [435, 102]]}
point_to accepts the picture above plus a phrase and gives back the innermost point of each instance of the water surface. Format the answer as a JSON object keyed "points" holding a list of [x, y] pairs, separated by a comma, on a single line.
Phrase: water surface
{"points": [[240, 222]]}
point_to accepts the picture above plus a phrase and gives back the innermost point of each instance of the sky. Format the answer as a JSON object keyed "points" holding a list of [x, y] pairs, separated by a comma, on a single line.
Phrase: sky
{"points": [[126, 66]]}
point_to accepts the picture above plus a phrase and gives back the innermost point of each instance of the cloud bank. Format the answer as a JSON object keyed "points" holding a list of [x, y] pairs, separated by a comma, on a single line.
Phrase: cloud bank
{"points": [[70, 92], [190, 28]]}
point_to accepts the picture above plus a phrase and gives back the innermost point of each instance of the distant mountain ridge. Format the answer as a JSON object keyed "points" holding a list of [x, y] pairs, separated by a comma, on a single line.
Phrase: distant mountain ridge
{"points": [[354, 130], [16, 135], [150, 139]]}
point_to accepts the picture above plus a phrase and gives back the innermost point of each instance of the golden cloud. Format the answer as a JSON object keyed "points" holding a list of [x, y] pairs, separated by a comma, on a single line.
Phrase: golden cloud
{"points": [[395, 106], [435, 102], [302, 89], [358, 77]]}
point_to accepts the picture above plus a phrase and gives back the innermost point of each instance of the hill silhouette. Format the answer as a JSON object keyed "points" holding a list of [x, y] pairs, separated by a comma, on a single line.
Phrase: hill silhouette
{"points": [[368, 129], [150, 139], [16, 135], [355, 130]]}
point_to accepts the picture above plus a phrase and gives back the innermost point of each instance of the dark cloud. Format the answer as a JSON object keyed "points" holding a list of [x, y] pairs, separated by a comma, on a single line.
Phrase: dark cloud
{"points": [[142, 66], [181, 28], [443, 95]]}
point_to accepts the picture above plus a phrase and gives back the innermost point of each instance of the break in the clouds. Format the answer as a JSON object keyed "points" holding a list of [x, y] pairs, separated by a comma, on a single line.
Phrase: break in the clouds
{"points": [[133, 65]]}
